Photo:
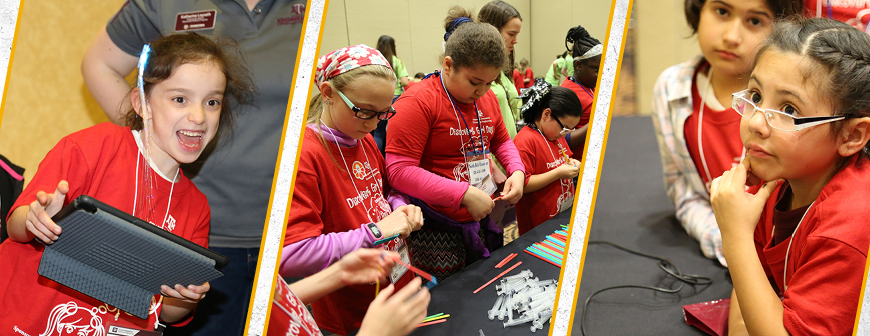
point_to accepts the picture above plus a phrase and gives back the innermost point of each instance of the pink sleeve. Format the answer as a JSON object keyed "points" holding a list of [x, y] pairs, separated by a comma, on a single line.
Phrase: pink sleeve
{"points": [[404, 173], [507, 154], [312, 255]]}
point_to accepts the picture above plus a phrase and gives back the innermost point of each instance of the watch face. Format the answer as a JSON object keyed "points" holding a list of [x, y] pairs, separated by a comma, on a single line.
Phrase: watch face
{"points": [[375, 230]]}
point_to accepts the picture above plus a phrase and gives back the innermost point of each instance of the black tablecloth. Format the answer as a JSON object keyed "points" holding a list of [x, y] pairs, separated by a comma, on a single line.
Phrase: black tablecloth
{"points": [[468, 311], [632, 210]]}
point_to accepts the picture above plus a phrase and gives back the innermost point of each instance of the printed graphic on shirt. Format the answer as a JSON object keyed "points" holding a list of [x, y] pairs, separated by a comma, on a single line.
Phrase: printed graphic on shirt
{"points": [[292, 313], [297, 18], [370, 185], [71, 319]]}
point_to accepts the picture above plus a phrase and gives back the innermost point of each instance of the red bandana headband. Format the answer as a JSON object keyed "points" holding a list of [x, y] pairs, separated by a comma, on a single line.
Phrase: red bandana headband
{"points": [[347, 59]]}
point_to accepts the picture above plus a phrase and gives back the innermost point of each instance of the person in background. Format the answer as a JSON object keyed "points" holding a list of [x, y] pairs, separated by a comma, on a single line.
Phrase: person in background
{"points": [[387, 47], [585, 76], [417, 78]]}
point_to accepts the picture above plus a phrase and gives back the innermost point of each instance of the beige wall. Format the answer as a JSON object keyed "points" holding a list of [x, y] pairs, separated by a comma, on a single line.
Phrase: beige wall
{"points": [[551, 21], [46, 98], [662, 40], [418, 27]]}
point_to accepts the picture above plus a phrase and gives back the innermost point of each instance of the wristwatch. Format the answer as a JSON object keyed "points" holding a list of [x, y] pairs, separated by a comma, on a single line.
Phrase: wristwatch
{"points": [[376, 232]]}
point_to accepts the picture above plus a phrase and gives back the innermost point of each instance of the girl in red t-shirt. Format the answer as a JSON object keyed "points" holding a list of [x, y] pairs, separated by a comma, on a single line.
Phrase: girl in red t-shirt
{"points": [[587, 60], [550, 189], [187, 82], [439, 148], [339, 198], [797, 259], [695, 128]]}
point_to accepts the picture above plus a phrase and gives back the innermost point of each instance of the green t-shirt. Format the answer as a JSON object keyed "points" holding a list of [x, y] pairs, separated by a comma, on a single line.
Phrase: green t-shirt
{"points": [[506, 93], [399, 69]]}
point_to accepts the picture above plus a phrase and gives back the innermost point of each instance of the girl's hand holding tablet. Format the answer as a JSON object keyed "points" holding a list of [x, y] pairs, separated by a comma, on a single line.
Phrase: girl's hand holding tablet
{"points": [[478, 203], [513, 187], [38, 217], [190, 294]]}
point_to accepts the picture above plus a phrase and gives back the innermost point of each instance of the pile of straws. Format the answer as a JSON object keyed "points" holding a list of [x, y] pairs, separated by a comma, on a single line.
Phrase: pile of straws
{"points": [[434, 319], [552, 249], [532, 298]]}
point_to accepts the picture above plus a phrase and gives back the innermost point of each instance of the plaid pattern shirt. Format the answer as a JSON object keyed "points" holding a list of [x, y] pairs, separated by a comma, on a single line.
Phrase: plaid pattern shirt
{"points": [[672, 105]]}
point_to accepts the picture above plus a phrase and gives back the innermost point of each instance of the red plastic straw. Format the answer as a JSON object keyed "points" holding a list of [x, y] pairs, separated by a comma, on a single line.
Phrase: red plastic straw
{"points": [[499, 276], [553, 246], [539, 257], [431, 323], [505, 260], [418, 271]]}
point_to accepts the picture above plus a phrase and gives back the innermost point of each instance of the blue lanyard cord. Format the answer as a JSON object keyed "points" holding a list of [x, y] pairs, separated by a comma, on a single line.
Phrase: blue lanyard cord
{"points": [[459, 112], [589, 92]]}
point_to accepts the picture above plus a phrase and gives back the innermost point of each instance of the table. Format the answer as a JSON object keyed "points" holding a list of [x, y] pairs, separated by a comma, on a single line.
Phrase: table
{"points": [[468, 311], [633, 210]]}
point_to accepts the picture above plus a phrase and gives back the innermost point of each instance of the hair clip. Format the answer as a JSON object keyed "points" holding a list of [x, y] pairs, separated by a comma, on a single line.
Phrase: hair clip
{"points": [[534, 94]]}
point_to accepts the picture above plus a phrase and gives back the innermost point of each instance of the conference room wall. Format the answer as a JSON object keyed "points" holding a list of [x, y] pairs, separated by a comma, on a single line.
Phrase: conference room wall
{"points": [[418, 27], [47, 98]]}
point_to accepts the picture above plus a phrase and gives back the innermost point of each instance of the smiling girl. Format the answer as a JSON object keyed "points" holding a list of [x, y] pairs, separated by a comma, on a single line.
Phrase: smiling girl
{"points": [[339, 197], [439, 146], [696, 130], [797, 249], [189, 82]]}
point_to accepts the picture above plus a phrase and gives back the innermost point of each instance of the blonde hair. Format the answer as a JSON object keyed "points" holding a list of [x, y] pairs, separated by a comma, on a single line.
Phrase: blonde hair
{"points": [[339, 82]]}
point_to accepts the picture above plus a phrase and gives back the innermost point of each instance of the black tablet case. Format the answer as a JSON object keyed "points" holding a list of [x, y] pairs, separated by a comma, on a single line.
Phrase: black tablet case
{"points": [[121, 260]]}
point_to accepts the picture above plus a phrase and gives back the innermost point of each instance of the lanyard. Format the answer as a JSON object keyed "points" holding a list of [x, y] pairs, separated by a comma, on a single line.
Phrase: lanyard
{"points": [[535, 127], [588, 91], [459, 113], [346, 168], [788, 249]]}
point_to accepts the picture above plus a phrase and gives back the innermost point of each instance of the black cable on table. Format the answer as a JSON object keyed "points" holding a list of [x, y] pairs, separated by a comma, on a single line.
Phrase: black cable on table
{"points": [[666, 265]]}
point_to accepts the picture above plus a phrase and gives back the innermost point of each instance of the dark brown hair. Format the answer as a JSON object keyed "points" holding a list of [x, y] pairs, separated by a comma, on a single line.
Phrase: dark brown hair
{"points": [[561, 102], [473, 44], [498, 13], [841, 62], [170, 52], [779, 8], [387, 47]]}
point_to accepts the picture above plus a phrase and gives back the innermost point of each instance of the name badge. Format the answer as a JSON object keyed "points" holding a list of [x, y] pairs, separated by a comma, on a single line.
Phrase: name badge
{"points": [[398, 245], [480, 176], [124, 331], [566, 201], [190, 21]]}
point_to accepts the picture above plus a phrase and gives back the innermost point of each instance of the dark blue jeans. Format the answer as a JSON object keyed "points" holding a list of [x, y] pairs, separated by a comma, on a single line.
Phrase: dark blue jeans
{"points": [[225, 309]]}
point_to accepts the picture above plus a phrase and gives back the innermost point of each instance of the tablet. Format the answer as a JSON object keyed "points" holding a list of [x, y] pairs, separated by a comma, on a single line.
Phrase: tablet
{"points": [[122, 260]]}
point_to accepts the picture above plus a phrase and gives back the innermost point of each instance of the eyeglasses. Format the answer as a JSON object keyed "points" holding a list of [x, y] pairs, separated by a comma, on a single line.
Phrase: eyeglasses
{"points": [[367, 114], [594, 68], [777, 119], [565, 130]]}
